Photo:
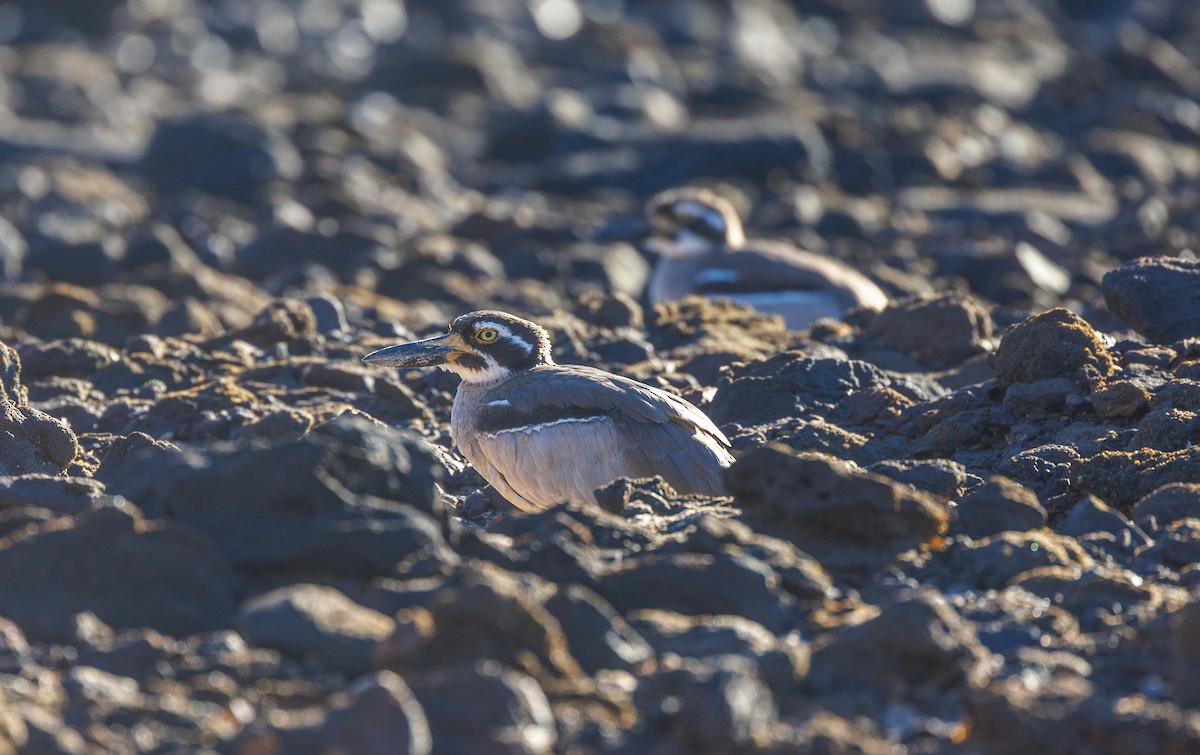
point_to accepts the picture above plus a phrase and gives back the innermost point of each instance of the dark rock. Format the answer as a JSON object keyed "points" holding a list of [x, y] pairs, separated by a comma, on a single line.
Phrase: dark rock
{"points": [[615, 310], [1158, 297], [483, 612], [821, 503], [616, 268], [60, 495], [383, 717], [1170, 503], [597, 635], [223, 154], [719, 706], [127, 571], [134, 653], [1178, 394], [1168, 429], [790, 385], [696, 584], [70, 357], [316, 622], [1119, 399], [1123, 478], [1000, 560], [65, 257], [654, 496], [484, 709], [282, 321], [347, 498], [1047, 470], [942, 477], [998, 505], [11, 389], [1185, 653], [161, 245], [957, 431], [1178, 544], [918, 640], [1091, 516], [697, 324], [124, 456], [1053, 344], [781, 661], [329, 313], [282, 251], [936, 330], [1040, 397], [34, 442]]}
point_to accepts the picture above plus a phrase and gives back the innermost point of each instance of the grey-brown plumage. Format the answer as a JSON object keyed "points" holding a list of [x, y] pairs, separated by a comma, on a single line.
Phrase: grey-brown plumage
{"points": [[703, 250], [543, 433]]}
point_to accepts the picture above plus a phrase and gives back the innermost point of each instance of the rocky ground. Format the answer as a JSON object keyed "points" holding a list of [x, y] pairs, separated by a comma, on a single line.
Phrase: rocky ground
{"points": [[970, 522]]}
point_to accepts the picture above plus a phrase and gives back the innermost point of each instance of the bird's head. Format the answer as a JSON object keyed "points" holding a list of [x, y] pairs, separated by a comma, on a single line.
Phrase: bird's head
{"points": [[691, 223], [480, 347]]}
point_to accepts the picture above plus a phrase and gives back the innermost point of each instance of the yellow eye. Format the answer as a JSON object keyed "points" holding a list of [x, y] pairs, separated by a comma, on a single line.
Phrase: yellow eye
{"points": [[487, 335]]}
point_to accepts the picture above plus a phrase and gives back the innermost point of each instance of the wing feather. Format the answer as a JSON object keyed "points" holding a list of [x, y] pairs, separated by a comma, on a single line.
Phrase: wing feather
{"points": [[568, 430]]}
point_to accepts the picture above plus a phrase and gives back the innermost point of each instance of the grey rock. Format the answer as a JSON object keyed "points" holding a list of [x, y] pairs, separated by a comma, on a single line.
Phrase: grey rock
{"points": [[317, 622], [719, 706], [223, 154], [1158, 297], [1054, 344], [127, 571], [820, 503], [917, 640], [998, 505], [35, 442], [1170, 503], [484, 708], [348, 498], [383, 717]]}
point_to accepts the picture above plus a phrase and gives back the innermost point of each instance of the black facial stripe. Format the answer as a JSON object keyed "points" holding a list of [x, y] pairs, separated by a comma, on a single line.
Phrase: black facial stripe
{"points": [[493, 419], [701, 227], [511, 353], [473, 362]]}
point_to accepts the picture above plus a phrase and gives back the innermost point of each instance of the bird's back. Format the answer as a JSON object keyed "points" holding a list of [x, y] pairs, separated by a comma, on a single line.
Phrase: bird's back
{"points": [[767, 266]]}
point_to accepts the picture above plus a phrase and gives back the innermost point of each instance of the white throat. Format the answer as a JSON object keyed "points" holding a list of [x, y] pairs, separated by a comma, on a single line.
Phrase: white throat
{"points": [[493, 373]]}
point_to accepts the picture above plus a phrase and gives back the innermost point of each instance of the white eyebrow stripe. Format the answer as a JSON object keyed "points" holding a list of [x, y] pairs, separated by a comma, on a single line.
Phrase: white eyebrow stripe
{"points": [[504, 331], [530, 429], [498, 402]]}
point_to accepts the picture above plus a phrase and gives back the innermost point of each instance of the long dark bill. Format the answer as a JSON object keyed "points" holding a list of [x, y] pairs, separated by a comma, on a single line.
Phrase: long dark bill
{"points": [[428, 352]]}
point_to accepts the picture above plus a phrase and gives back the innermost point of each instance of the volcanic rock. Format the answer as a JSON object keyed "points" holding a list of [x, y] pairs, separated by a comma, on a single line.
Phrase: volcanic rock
{"points": [[936, 330], [998, 505], [485, 708], [844, 517], [310, 620], [222, 154], [348, 498], [1158, 297], [126, 570], [33, 442], [11, 389], [1170, 503], [718, 706], [383, 716], [918, 640], [1051, 345]]}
